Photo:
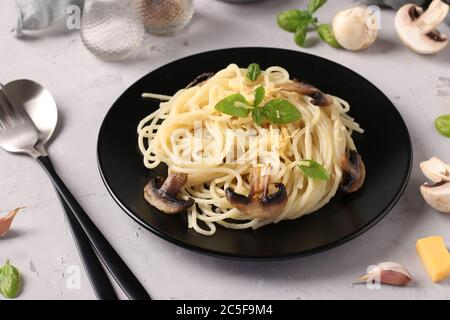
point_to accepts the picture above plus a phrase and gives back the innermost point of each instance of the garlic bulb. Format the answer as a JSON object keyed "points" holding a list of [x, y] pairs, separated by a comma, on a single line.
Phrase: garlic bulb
{"points": [[356, 28]]}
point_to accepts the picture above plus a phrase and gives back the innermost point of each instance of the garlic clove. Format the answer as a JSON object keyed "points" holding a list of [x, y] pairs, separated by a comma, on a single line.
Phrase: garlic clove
{"points": [[5, 222], [390, 273], [394, 266]]}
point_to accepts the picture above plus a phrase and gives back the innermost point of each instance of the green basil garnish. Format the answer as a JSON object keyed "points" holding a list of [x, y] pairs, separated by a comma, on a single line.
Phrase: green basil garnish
{"points": [[291, 19], [234, 105], [442, 125], [326, 34], [258, 116], [314, 170], [10, 281], [253, 71], [276, 111], [301, 33], [260, 93], [280, 111], [301, 21], [314, 5]]}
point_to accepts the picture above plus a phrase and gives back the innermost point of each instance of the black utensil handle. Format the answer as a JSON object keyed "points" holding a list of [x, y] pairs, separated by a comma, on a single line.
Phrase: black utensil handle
{"points": [[119, 270], [98, 278]]}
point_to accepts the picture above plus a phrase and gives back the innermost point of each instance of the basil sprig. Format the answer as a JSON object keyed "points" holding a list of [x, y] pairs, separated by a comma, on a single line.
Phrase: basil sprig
{"points": [[301, 21], [301, 33], [326, 34], [290, 20], [260, 93], [234, 105], [313, 169], [258, 116], [10, 281], [280, 111], [442, 125], [253, 72], [314, 5], [276, 111]]}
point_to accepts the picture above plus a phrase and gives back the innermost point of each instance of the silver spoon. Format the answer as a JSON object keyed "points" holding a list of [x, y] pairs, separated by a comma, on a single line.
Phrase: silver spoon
{"points": [[41, 107], [35, 127]]}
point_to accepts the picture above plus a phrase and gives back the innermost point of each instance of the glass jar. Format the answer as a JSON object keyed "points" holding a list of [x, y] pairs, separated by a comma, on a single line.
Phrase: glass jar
{"points": [[165, 16], [112, 29]]}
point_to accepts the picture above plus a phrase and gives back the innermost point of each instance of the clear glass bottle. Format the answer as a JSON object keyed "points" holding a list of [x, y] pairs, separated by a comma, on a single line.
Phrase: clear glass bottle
{"points": [[165, 16], [112, 29]]}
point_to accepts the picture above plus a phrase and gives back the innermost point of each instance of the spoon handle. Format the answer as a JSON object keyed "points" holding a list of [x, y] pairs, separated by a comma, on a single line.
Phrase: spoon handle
{"points": [[116, 266], [98, 278]]}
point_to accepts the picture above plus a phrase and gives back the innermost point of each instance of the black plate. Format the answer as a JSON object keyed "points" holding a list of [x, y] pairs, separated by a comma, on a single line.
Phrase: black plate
{"points": [[385, 148]]}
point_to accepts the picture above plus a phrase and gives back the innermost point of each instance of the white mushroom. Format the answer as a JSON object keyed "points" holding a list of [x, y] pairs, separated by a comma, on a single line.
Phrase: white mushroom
{"points": [[436, 194], [355, 28], [436, 170], [417, 28]]}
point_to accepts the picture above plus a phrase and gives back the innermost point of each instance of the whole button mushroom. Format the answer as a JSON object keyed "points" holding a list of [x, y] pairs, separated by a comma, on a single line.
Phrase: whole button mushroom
{"points": [[356, 28], [417, 28]]}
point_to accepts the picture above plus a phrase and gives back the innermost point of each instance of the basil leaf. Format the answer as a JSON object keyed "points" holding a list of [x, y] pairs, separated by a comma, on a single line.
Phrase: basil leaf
{"points": [[258, 116], [326, 34], [442, 125], [280, 111], [290, 20], [314, 170], [10, 281], [314, 5], [233, 106], [300, 34], [253, 71], [260, 93]]}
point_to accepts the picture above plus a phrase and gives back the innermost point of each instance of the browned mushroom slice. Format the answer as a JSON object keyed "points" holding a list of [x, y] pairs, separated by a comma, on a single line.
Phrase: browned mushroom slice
{"points": [[201, 78], [353, 172], [267, 206], [163, 194], [319, 98]]}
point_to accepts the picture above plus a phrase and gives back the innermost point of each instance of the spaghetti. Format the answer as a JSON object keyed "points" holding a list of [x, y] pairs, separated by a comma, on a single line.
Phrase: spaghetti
{"points": [[171, 135]]}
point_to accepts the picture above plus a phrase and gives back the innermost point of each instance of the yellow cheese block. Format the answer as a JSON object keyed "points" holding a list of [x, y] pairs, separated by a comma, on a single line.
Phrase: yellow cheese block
{"points": [[435, 257]]}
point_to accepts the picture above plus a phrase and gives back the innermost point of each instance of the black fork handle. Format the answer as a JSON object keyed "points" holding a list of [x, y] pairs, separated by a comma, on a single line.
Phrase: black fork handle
{"points": [[113, 262], [98, 278]]}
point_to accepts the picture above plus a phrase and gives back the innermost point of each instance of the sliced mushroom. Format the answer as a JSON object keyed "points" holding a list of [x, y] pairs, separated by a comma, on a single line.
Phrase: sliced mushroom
{"points": [[436, 170], [319, 98], [200, 79], [417, 28], [436, 194], [267, 206], [353, 172], [163, 194]]}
